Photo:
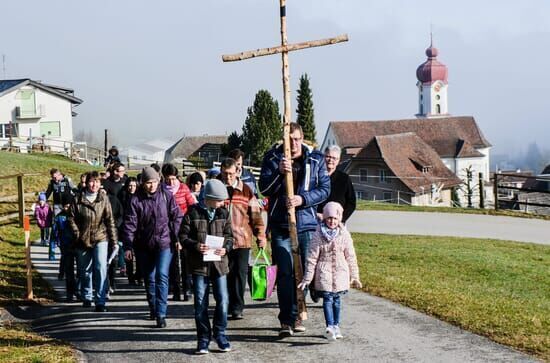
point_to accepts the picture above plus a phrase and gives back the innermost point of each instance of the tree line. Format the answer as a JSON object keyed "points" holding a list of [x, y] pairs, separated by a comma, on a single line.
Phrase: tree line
{"points": [[263, 124]]}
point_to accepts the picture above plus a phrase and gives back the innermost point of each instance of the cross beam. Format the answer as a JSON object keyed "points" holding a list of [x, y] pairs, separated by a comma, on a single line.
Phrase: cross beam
{"points": [[283, 49]]}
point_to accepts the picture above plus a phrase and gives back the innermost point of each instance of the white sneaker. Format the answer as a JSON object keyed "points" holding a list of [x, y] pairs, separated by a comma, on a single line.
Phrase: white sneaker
{"points": [[337, 332], [330, 334]]}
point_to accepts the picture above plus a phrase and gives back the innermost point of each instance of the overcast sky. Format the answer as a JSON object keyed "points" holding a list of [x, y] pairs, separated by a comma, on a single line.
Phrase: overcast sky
{"points": [[153, 68]]}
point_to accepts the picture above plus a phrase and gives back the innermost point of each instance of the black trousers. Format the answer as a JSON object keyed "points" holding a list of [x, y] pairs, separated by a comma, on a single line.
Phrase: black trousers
{"points": [[237, 279]]}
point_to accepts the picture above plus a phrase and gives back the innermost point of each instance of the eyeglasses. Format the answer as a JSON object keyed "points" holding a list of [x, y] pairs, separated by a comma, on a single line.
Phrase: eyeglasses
{"points": [[329, 157]]}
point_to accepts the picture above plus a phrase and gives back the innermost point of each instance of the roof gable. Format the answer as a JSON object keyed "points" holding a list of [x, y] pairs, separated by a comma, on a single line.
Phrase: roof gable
{"points": [[442, 134], [410, 159], [9, 85]]}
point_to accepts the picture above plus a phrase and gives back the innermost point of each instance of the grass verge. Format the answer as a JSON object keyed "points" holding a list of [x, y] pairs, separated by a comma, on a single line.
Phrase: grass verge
{"points": [[17, 341], [370, 205], [497, 289]]}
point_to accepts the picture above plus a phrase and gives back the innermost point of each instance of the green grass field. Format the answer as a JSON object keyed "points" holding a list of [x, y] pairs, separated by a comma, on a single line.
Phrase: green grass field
{"points": [[18, 343], [370, 205], [497, 289]]}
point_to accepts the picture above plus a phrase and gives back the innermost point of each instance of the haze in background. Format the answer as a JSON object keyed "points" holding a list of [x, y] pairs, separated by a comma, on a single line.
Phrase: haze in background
{"points": [[148, 69]]}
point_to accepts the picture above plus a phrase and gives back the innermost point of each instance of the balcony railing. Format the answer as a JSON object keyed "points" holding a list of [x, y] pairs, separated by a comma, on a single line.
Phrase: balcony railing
{"points": [[38, 112]]}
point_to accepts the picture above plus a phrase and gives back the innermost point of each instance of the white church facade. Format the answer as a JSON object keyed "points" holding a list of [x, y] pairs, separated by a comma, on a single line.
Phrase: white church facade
{"points": [[457, 140]]}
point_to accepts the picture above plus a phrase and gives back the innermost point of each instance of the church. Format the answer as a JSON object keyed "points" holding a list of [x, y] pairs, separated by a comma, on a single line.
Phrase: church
{"points": [[432, 159]]}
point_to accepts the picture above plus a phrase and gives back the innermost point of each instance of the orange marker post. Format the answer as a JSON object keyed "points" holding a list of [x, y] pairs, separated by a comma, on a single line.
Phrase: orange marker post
{"points": [[27, 229]]}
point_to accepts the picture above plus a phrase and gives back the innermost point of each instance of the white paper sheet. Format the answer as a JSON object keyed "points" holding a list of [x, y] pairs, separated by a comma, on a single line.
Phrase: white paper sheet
{"points": [[213, 243]]}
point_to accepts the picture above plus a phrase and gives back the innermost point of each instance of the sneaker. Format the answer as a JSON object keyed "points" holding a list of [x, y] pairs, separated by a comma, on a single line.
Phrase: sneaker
{"points": [[299, 326], [337, 332], [223, 343], [330, 334], [237, 316], [285, 331], [202, 348]]}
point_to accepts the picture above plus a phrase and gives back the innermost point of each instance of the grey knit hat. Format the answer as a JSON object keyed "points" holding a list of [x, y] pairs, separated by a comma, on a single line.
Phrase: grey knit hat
{"points": [[215, 190], [149, 173]]}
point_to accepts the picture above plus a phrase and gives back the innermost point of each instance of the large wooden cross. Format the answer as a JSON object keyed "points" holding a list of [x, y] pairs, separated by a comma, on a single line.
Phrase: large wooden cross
{"points": [[283, 49]]}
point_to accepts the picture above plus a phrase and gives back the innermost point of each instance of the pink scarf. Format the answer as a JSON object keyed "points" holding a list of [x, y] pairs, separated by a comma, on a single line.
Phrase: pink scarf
{"points": [[173, 188]]}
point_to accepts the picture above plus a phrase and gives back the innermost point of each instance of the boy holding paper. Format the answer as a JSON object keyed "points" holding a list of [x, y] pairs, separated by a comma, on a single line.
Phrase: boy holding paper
{"points": [[207, 261]]}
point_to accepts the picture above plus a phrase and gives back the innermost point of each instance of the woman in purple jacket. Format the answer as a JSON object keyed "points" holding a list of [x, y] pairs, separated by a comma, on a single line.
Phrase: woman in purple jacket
{"points": [[150, 228]]}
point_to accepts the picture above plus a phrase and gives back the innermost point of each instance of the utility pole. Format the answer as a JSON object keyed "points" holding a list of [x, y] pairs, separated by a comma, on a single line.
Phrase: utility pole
{"points": [[481, 192], [106, 143]]}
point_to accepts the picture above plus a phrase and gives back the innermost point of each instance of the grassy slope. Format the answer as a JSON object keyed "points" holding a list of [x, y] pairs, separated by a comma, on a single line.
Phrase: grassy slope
{"points": [[17, 341], [13, 163], [369, 205], [494, 288]]}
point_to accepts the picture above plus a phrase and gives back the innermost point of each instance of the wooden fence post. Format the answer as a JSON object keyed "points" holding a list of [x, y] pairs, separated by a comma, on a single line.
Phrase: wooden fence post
{"points": [[20, 199], [495, 190], [27, 229], [481, 192]]}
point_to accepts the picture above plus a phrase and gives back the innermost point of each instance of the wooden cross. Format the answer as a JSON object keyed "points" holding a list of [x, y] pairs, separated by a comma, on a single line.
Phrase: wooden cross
{"points": [[283, 49]]}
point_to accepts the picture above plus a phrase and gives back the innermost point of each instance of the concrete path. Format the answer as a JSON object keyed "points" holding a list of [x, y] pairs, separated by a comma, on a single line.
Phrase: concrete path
{"points": [[451, 224], [374, 329]]}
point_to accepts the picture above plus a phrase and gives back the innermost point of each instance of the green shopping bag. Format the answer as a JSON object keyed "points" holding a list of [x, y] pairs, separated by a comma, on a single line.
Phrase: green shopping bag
{"points": [[263, 276]]}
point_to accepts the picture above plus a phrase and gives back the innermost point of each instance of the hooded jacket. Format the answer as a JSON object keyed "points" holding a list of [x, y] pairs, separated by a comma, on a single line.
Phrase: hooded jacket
{"points": [[92, 222], [314, 188], [151, 221]]}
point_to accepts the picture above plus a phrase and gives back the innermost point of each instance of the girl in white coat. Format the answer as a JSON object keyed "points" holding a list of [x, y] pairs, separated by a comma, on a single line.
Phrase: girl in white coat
{"points": [[332, 265]]}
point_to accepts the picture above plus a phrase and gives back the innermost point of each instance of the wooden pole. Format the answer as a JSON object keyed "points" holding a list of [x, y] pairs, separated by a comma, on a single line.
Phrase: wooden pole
{"points": [[298, 268], [495, 190], [106, 144], [20, 199], [283, 48], [27, 229]]}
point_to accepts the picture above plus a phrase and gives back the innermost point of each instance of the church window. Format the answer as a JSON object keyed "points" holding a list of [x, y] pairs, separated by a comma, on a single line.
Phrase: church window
{"points": [[437, 97], [438, 108]]}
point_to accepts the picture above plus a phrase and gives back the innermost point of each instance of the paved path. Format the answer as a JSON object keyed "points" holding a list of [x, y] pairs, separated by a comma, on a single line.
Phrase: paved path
{"points": [[451, 224], [374, 329]]}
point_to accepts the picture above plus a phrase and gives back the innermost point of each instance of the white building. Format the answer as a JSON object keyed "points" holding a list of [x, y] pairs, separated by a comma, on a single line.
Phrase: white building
{"points": [[33, 112], [458, 140]]}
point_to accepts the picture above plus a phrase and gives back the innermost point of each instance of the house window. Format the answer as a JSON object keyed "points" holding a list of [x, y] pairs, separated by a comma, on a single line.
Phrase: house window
{"points": [[50, 128], [359, 195], [438, 109], [7, 129], [28, 104], [364, 175], [383, 176], [387, 197]]}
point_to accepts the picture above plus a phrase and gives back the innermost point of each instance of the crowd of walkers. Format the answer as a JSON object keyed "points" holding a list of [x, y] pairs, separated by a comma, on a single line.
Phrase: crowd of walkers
{"points": [[157, 229]]}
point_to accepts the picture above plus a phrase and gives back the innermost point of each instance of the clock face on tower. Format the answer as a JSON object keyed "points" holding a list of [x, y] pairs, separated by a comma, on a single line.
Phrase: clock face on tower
{"points": [[437, 87]]}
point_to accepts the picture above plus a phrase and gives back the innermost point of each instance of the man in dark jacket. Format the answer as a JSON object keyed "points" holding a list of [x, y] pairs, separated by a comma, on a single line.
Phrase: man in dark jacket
{"points": [[151, 224], [311, 187], [60, 185], [114, 184]]}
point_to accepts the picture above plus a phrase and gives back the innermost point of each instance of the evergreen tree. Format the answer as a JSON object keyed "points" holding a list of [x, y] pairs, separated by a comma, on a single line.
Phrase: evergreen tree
{"points": [[262, 127], [304, 112], [234, 141]]}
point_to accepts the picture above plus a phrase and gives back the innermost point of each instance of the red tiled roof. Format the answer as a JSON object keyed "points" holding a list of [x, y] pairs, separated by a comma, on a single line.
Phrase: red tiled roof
{"points": [[406, 154], [443, 134]]}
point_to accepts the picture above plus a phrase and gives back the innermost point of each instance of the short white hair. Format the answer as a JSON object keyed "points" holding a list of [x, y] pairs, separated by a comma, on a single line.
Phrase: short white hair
{"points": [[335, 148]]}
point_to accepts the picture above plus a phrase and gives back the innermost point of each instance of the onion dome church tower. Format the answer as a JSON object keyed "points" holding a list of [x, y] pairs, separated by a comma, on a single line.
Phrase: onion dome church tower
{"points": [[432, 86]]}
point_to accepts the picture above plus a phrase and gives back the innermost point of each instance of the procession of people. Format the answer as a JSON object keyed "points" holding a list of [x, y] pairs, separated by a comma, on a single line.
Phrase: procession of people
{"points": [[155, 228]]}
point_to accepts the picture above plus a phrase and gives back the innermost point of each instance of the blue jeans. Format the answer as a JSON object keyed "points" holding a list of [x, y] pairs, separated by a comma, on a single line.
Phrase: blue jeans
{"points": [[201, 292], [155, 266], [286, 285], [92, 268], [331, 307]]}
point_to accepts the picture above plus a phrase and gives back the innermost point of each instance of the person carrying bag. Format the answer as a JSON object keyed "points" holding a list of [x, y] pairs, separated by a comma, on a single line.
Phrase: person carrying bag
{"points": [[262, 275]]}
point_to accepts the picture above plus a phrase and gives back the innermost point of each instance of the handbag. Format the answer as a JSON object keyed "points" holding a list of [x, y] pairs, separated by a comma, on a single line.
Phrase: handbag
{"points": [[263, 276]]}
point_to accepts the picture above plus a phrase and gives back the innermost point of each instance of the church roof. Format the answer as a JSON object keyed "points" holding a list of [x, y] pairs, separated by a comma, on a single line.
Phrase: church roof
{"points": [[446, 135], [410, 159]]}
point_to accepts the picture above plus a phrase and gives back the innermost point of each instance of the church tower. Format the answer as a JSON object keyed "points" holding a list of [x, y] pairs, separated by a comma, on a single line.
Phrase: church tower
{"points": [[432, 86]]}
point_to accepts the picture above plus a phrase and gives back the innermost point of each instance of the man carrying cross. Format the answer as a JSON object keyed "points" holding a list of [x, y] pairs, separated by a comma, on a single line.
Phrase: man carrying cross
{"points": [[311, 187]]}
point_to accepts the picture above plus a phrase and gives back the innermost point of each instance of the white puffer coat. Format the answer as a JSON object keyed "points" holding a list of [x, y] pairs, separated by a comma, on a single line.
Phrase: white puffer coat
{"points": [[331, 264]]}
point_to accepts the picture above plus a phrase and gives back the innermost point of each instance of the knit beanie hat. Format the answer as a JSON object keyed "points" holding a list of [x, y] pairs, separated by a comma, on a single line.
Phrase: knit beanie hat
{"points": [[148, 173], [42, 196], [215, 190], [333, 209]]}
